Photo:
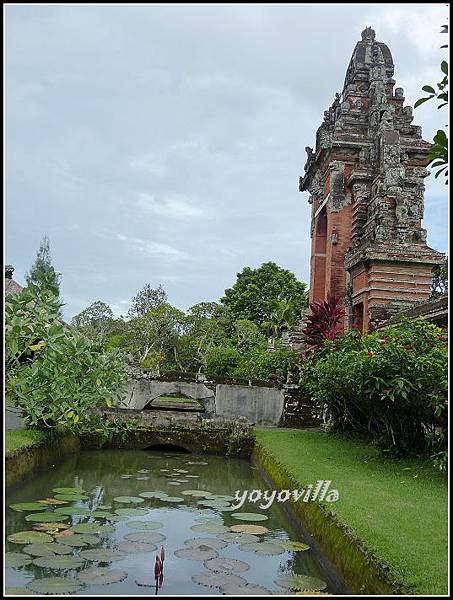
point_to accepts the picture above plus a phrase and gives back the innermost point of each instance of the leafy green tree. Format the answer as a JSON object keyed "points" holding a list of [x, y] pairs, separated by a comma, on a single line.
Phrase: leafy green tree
{"points": [[248, 336], [256, 291], [95, 322], [42, 272], [147, 299], [439, 285], [282, 318], [438, 156]]}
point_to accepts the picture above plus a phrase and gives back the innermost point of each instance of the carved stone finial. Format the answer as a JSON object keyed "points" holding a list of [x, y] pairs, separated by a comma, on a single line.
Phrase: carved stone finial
{"points": [[368, 35]]}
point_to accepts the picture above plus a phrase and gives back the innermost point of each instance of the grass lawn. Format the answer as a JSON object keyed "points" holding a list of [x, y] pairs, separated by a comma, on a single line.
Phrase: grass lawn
{"points": [[397, 508], [22, 438]]}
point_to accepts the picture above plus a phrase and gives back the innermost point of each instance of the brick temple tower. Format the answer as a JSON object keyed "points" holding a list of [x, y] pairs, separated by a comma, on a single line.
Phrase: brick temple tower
{"points": [[365, 179]]}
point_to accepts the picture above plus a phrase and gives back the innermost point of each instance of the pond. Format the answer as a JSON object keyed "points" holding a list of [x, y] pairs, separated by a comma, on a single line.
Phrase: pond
{"points": [[134, 503]]}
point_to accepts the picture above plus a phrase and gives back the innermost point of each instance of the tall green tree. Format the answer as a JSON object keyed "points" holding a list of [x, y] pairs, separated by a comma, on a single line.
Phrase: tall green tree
{"points": [[147, 299], [95, 322], [42, 272], [257, 291]]}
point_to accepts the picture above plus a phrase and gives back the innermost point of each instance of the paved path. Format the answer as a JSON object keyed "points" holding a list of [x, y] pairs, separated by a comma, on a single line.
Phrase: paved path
{"points": [[13, 418]]}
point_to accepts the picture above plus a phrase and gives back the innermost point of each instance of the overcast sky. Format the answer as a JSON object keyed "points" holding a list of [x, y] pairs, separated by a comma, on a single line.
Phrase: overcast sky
{"points": [[163, 144]]}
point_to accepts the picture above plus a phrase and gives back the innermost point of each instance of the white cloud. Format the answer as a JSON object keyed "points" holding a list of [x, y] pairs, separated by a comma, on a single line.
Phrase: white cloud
{"points": [[150, 248], [174, 206]]}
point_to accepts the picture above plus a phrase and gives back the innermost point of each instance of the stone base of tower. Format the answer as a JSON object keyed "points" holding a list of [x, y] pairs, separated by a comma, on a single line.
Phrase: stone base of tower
{"points": [[384, 279]]}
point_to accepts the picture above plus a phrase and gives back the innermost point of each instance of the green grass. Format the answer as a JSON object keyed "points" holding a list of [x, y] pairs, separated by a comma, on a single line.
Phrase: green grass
{"points": [[9, 402], [397, 508], [23, 438]]}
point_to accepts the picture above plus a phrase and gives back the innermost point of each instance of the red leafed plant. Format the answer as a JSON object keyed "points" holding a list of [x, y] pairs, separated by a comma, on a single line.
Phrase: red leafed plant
{"points": [[322, 323]]}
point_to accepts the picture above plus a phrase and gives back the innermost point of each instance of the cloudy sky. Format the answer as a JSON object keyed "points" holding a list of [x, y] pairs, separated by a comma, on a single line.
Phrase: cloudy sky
{"points": [[163, 144]]}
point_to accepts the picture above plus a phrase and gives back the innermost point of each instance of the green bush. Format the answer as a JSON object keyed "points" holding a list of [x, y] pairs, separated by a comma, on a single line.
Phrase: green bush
{"points": [[391, 384], [221, 361]]}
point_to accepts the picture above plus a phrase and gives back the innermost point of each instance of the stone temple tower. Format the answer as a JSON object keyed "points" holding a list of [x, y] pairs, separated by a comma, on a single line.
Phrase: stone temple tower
{"points": [[365, 179]]}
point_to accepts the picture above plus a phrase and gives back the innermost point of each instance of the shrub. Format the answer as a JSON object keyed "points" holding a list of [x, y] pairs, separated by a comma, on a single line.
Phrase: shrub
{"points": [[392, 384], [324, 320], [221, 361]]}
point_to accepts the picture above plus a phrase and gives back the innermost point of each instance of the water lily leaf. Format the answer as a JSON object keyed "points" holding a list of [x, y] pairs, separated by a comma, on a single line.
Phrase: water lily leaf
{"points": [[143, 471], [92, 528], [101, 576], [47, 549], [173, 483], [131, 512], [244, 589], [142, 478], [224, 508], [136, 547], [46, 517], [210, 528], [144, 524], [16, 559], [250, 516], [292, 546], [204, 541], [79, 540], [226, 565], [69, 490], [102, 514], [105, 506], [196, 493], [253, 529], [303, 583], [59, 562], [208, 520], [63, 533], [72, 510], [54, 585], [193, 476], [221, 497], [52, 501], [262, 548], [241, 538], [25, 506], [196, 553], [128, 499], [117, 518], [216, 580], [125, 476], [152, 494], [147, 537], [29, 537], [18, 591], [102, 554], [51, 526], [172, 499], [181, 471], [71, 497]]}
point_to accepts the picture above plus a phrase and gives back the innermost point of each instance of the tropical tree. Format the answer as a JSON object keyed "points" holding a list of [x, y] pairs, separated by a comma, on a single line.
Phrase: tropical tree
{"points": [[439, 285], [256, 291], [282, 318], [95, 321], [147, 299], [42, 273]]}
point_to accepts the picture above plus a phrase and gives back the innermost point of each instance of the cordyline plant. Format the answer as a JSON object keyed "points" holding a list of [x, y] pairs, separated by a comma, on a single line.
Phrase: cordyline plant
{"points": [[324, 320]]}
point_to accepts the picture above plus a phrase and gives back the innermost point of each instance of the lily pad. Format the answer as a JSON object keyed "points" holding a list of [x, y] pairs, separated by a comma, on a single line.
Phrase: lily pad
{"points": [[197, 553], [102, 514], [17, 559], [173, 483], [253, 529], [52, 502], [71, 497], [209, 520], [52, 526], [292, 546], [147, 537], [54, 585], [46, 517], [93, 528], [211, 579], [60, 534], [210, 528], [59, 562], [193, 476], [226, 565], [223, 497], [262, 548], [48, 549], [69, 490], [136, 547], [244, 589], [181, 471], [105, 506], [79, 540], [196, 493], [250, 516], [72, 510], [131, 512], [29, 537], [172, 499], [204, 541], [302, 583], [142, 478], [18, 591], [102, 554], [25, 506], [144, 524], [116, 518], [241, 538], [125, 476], [129, 499], [101, 576]]}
